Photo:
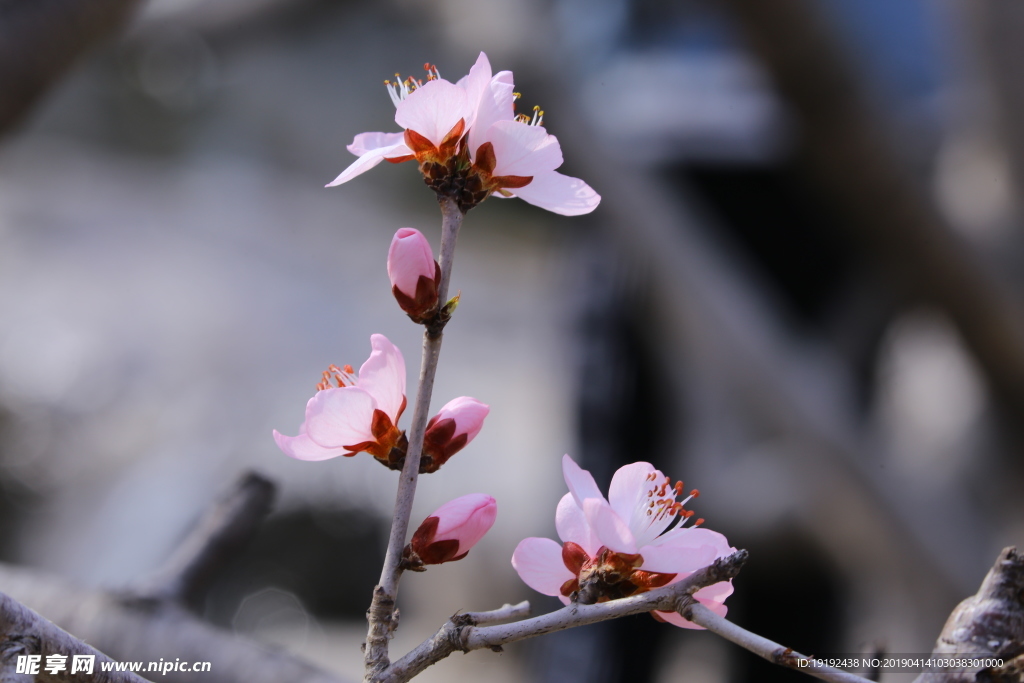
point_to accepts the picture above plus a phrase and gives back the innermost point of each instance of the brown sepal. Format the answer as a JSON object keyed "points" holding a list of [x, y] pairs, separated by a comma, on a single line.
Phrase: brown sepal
{"points": [[438, 444], [450, 144], [574, 557], [645, 581], [511, 181], [417, 143], [359, 448], [424, 534], [485, 159], [423, 306], [398, 160], [441, 551], [431, 551], [569, 587]]}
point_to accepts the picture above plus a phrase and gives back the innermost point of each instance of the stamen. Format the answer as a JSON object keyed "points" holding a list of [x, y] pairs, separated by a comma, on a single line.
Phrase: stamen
{"points": [[400, 89], [342, 377], [538, 116]]}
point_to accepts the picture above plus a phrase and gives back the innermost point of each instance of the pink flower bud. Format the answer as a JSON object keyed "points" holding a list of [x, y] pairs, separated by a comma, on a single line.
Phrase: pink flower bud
{"points": [[454, 528], [414, 274], [448, 432]]}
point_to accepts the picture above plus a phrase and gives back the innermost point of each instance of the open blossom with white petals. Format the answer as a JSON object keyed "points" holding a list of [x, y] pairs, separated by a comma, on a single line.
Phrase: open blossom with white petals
{"points": [[359, 413], [470, 143], [620, 546]]}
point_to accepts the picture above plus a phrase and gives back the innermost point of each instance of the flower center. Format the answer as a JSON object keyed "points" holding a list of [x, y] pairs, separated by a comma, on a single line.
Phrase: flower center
{"points": [[608, 576], [341, 377], [400, 89]]}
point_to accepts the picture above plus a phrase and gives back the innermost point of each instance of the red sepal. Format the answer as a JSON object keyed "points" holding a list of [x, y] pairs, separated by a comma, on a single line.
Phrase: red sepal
{"points": [[574, 557]]}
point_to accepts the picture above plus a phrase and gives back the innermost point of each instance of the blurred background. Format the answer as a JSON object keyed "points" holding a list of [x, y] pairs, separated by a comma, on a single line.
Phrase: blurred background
{"points": [[801, 294]]}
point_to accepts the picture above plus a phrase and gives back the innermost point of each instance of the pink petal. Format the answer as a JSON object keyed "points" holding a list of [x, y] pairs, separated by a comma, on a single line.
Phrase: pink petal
{"points": [[302, 447], [465, 519], [475, 83], [368, 160], [559, 194], [497, 103], [611, 531], [684, 550], [573, 527], [581, 484], [711, 597], [523, 150], [382, 376], [409, 258], [468, 414], [715, 593], [628, 496], [367, 142], [433, 110], [694, 537], [540, 566], [670, 559], [340, 417]]}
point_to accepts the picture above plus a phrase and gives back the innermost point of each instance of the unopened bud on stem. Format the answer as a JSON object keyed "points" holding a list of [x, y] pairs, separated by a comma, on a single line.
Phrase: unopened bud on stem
{"points": [[450, 532], [414, 274], [448, 432]]}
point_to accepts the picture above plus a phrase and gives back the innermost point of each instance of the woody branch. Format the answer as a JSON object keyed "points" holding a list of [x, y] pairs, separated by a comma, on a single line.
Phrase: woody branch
{"points": [[458, 634], [381, 614]]}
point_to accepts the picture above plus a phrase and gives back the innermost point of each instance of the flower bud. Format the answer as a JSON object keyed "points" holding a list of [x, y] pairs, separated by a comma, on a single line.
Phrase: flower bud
{"points": [[451, 531], [448, 432], [414, 274]]}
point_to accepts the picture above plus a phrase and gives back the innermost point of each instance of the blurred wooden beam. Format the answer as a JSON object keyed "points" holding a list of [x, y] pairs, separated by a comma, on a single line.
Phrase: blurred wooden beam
{"points": [[23, 633], [131, 630], [40, 40], [218, 538]]}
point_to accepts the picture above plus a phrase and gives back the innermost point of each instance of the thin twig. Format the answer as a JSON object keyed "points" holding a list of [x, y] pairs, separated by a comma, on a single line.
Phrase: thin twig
{"points": [[25, 633], [770, 650], [456, 636], [381, 615], [506, 612], [228, 525]]}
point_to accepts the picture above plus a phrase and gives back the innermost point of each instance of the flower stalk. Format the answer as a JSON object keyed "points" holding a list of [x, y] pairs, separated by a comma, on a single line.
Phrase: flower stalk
{"points": [[381, 615]]}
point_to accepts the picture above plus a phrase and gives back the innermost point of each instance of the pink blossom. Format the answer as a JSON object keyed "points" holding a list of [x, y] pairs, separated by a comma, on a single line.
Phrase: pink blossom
{"points": [[452, 529], [470, 144], [359, 413], [448, 432], [415, 275], [619, 546]]}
